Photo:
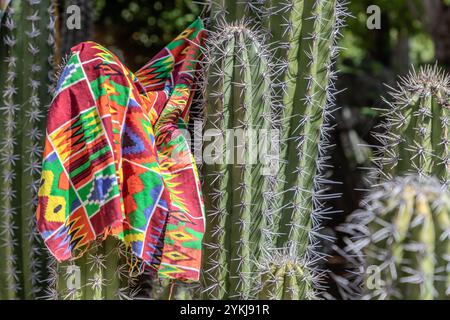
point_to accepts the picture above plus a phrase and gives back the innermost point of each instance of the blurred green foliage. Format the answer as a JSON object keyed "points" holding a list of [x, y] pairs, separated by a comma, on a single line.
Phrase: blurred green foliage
{"points": [[138, 29], [398, 18]]}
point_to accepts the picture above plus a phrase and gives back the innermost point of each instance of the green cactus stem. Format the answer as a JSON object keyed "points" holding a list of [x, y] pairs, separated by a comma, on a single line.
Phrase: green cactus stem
{"points": [[26, 75], [239, 92], [307, 103]]}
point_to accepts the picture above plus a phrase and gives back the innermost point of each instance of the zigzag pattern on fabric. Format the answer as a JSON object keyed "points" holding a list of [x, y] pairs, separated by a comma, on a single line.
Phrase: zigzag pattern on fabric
{"points": [[116, 161]]}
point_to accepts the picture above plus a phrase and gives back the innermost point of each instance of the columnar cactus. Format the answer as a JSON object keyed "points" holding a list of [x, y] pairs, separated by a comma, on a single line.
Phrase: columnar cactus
{"points": [[26, 75], [402, 237], [414, 142], [253, 215], [308, 54], [417, 135], [240, 101]]}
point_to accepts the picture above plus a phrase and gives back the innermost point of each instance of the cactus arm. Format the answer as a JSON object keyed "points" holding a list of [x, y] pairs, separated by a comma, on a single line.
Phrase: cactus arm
{"points": [[217, 176], [306, 121], [235, 193], [417, 135], [239, 224], [404, 233]]}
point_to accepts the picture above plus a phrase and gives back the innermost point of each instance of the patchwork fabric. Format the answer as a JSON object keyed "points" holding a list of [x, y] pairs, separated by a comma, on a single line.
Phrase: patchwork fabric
{"points": [[116, 161]]}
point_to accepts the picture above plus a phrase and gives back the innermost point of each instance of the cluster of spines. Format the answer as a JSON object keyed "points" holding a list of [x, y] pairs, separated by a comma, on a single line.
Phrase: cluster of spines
{"points": [[415, 137], [400, 241], [284, 276], [27, 43]]}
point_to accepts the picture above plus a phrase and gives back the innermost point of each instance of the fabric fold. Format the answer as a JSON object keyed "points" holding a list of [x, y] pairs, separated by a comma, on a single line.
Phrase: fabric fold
{"points": [[116, 161]]}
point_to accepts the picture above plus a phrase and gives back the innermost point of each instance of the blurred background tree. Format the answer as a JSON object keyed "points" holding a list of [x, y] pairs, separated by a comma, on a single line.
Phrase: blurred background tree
{"points": [[137, 30]]}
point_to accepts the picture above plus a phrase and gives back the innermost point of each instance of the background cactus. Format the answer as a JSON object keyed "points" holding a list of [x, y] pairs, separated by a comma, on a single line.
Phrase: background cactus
{"points": [[414, 142], [416, 131], [401, 238], [252, 215], [26, 68]]}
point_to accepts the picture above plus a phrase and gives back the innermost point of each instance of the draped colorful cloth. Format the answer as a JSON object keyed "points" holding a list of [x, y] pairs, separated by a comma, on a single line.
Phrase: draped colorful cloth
{"points": [[116, 161]]}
